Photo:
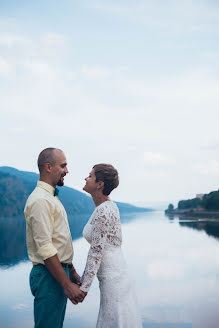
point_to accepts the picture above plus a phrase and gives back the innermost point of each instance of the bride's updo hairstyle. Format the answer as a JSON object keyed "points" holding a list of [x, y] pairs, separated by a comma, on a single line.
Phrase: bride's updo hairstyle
{"points": [[109, 175]]}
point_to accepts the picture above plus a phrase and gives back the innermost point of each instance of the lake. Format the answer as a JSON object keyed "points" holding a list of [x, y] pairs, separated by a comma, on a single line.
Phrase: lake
{"points": [[175, 265]]}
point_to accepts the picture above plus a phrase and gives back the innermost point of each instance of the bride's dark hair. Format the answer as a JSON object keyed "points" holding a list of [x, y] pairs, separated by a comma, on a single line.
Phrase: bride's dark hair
{"points": [[109, 175]]}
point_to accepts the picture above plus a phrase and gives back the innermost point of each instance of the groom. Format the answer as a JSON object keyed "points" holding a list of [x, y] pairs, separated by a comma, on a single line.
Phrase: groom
{"points": [[49, 244]]}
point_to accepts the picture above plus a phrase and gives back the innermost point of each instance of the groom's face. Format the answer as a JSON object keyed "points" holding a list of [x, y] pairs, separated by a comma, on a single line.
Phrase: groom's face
{"points": [[59, 169]]}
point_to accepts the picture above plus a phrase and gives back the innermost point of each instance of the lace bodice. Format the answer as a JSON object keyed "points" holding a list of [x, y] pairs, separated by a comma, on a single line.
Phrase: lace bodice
{"points": [[102, 231]]}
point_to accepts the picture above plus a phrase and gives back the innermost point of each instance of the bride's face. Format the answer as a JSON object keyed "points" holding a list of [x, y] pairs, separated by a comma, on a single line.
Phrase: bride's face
{"points": [[91, 184]]}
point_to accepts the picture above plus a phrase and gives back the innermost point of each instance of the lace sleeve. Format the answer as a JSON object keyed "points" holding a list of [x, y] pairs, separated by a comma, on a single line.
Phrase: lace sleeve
{"points": [[99, 236]]}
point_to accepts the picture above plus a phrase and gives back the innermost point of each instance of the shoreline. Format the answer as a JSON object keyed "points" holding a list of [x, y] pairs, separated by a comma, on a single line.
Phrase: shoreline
{"points": [[193, 214]]}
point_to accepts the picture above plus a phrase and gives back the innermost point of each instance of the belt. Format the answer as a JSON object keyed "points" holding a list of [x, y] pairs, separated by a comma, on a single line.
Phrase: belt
{"points": [[67, 265]]}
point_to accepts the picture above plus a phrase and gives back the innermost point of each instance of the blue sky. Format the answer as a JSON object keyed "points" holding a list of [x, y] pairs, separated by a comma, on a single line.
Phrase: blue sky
{"points": [[132, 83]]}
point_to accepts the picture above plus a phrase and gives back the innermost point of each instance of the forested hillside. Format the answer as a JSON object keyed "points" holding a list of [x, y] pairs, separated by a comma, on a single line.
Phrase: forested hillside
{"points": [[15, 186]]}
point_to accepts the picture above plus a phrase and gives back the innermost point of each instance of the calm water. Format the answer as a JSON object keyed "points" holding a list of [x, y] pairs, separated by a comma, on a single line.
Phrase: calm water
{"points": [[175, 265]]}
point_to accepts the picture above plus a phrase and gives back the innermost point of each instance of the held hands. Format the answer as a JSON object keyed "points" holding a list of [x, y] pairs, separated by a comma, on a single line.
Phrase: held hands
{"points": [[76, 279], [73, 292]]}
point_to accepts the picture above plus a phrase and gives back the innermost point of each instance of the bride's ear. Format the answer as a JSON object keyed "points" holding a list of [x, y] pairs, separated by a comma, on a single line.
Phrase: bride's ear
{"points": [[100, 185]]}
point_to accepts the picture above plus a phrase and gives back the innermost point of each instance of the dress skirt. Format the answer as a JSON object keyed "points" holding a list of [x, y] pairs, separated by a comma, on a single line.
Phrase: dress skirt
{"points": [[118, 302]]}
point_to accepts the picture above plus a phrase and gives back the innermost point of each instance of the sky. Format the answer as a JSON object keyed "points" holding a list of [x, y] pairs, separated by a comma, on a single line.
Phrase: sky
{"points": [[132, 83]]}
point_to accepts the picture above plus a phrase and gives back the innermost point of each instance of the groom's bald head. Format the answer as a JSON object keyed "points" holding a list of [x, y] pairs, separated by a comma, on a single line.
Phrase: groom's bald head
{"points": [[47, 155]]}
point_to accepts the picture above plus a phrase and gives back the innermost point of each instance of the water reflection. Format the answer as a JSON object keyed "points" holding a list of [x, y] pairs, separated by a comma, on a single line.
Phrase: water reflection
{"points": [[210, 226], [12, 241], [13, 236], [175, 270]]}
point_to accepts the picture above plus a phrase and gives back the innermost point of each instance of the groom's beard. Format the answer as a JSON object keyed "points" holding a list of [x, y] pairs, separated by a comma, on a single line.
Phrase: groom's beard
{"points": [[60, 183]]}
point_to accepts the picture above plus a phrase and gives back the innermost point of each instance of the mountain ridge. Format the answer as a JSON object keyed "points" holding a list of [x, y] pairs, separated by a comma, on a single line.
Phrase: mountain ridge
{"points": [[16, 185]]}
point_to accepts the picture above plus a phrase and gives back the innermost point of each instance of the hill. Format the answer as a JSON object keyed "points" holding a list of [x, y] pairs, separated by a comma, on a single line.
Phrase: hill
{"points": [[16, 185], [206, 206]]}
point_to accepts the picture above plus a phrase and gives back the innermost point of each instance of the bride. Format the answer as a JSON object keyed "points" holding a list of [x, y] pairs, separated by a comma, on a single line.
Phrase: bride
{"points": [[118, 304]]}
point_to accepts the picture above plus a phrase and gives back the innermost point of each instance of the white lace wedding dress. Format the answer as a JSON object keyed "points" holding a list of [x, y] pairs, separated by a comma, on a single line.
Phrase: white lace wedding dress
{"points": [[118, 304]]}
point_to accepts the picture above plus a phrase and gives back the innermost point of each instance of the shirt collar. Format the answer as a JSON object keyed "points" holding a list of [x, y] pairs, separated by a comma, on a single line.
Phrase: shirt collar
{"points": [[46, 187]]}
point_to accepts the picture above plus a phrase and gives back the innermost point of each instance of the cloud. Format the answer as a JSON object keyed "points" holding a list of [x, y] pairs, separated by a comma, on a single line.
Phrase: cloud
{"points": [[158, 159], [55, 40], [21, 306], [207, 168], [12, 40], [155, 95], [94, 73], [211, 146], [172, 270], [173, 17], [5, 67], [193, 86], [41, 69]]}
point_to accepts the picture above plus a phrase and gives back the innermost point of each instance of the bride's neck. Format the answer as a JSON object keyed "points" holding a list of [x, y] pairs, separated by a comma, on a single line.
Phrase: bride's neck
{"points": [[99, 198]]}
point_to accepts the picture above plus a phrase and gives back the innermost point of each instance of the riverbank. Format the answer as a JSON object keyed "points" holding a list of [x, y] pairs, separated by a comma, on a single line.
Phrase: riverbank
{"points": [[193, 213]]}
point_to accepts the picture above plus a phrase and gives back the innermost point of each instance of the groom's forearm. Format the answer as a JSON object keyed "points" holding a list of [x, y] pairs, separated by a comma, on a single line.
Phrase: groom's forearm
{"points": [[71, 290], [54, 267], [73, 269], [74, 276]]}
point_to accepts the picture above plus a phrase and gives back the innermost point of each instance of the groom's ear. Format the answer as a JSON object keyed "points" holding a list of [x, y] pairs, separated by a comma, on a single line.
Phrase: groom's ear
{"points": [[47, 167]]}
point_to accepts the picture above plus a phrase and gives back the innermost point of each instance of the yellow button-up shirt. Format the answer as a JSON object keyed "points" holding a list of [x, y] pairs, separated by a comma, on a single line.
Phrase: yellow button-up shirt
{"points": [[47, 228]]}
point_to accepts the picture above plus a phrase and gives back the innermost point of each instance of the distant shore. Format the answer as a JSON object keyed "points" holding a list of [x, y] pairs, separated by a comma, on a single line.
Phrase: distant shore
{"points": [[193, 213]]}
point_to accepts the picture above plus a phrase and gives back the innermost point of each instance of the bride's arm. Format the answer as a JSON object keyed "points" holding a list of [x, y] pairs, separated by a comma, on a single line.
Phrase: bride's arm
{"points": [[100, 227]]}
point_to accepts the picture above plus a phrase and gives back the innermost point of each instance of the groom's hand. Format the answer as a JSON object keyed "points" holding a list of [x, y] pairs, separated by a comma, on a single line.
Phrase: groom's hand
{"points": [[75, 278], [85, 293], [73, 292]]}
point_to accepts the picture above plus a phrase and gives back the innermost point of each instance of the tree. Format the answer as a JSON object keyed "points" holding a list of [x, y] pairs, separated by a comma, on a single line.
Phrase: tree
{"points": [[190, 203], [211, 201]]}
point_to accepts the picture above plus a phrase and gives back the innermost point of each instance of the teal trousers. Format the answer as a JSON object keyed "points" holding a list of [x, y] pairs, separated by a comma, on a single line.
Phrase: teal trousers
{"points": [[49, 298]]}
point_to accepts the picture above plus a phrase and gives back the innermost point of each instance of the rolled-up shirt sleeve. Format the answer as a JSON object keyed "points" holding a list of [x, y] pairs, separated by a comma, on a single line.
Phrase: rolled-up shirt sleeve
{"points": [[42, 221]]}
